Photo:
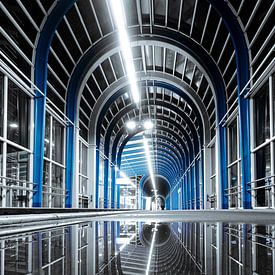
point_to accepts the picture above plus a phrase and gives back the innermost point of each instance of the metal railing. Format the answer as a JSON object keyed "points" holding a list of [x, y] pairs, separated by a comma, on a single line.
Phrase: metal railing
{"points": [[267, 186], [15, 192], [233, 195]]}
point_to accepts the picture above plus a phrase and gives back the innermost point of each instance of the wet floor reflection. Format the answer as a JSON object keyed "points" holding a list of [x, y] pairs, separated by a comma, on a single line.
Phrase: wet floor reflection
{"points": [[141, 248]]}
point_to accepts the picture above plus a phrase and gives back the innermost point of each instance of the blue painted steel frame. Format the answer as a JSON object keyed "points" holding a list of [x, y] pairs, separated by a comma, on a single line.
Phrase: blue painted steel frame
{"points": [[242, 59], [86, 60], [40, 80], [242, 64]]}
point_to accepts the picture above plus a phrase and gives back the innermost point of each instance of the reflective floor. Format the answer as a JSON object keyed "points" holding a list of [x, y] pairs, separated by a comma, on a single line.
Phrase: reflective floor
{"points": [[134, 247]]}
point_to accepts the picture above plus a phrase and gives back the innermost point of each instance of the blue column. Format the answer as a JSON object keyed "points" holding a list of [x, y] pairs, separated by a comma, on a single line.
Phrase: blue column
{"points": [[192, 187], [242, 59], [223, 164], [38, 154], [97, 164], [106, 183], [40, 80], [113, 187]]}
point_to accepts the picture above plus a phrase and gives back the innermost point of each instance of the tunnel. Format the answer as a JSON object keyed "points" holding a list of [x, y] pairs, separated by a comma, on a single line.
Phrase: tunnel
{"points": [[139, 108]]}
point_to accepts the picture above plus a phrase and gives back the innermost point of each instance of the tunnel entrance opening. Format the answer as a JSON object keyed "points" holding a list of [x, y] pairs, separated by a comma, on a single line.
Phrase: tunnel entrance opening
{"points": [[157, 202]]}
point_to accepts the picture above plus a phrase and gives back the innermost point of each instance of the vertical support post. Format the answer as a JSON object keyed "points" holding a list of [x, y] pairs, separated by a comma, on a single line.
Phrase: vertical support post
{"points": [[272, 145], [221, 172], [70, 164], [74, 250], [207, 181], [91, 248], [91, 176], [113, 187], [74, 178], [5, 119], [106, 182], [97, 163], [38, 152], [197, 176]]}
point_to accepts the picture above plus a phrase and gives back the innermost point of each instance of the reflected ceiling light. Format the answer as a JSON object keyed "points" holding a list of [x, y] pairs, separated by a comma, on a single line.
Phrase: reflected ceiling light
{"points": [[148, 124], [13, 125], [128, 242], [149, 163], [118, 14], [131, 125], [151, 248]]}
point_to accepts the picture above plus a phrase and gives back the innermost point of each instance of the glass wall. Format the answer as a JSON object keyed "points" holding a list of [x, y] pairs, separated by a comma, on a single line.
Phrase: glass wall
{"points": [[54, 163], [263, 145], [101, 183], [83, 174], [213, 196], [234, 165], [15, 144]]}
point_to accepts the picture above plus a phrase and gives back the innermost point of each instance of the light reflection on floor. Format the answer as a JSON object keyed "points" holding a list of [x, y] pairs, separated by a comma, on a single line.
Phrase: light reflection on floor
{"points": [[134, 247]]}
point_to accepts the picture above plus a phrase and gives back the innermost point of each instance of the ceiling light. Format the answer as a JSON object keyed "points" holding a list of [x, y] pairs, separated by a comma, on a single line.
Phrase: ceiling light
{"points": [[131, 125], [124, 180], [118, 14], [148, 124], [14, 125]]}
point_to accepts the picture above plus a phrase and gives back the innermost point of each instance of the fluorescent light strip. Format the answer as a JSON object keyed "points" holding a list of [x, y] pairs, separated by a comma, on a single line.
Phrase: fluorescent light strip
{"points": [[149, 163], [122, 174], [118, 14], [124, 245], [151, 249]]}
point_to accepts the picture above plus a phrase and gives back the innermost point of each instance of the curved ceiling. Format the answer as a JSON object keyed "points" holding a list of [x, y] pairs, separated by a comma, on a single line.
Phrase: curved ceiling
{"points": [[186, 56], [154, 29]]}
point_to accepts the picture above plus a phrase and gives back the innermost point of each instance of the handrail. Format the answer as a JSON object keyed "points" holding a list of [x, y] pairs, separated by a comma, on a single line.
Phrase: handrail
{"points": [[17, 180], [261, 179]]}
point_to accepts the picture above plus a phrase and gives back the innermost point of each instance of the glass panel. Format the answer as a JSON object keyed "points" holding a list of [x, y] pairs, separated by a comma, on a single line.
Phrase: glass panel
{"points": [[18, 115], [46, 182], [57, 141], [47, 136], [233, 182], [213, 160], [1, 102], [17, 163], [262, 115], [83, 185], [263, 169], [57, 186], [233, 143], [84, 160], [17, 168]]}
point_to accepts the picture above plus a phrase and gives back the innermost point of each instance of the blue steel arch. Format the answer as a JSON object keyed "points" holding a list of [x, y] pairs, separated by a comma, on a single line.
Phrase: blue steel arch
{"points": [[180, 160], [169, 140], [242, 62], [40, 80], [176, 167], [118, 161], [169, 120], [106, 147], [117, 157], [82, 69], [242, 59]]}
